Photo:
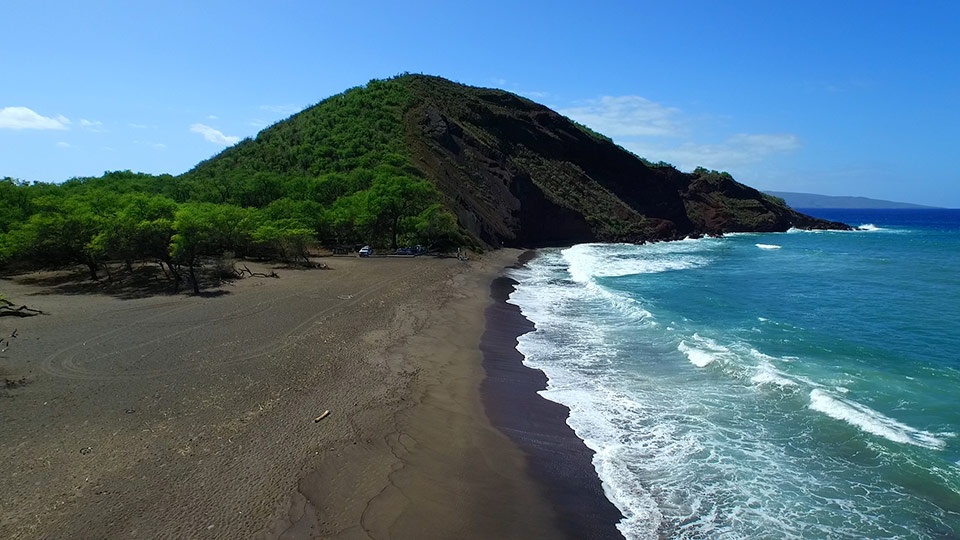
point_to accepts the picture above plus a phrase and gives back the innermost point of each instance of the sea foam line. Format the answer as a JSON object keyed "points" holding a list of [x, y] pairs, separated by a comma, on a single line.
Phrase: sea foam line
{"points": [[872, 421]]}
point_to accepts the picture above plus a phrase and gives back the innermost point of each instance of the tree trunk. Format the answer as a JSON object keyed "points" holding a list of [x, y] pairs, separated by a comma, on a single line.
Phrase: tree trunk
{"points": [[173, 271], [92, 265], [193, 278], [395, 229]]}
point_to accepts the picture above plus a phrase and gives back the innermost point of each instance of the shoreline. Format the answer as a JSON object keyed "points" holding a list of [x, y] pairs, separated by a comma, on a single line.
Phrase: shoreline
{"points": [[450, 473], [558, 460]]}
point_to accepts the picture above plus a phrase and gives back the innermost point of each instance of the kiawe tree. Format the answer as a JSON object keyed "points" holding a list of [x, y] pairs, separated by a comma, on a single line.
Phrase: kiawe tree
{"points": [[393, 198], [59, 233], [141, 228], [207, 229]]}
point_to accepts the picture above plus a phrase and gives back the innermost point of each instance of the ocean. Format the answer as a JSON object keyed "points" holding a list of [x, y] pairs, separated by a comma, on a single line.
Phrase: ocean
{"points": [[791, 385]]}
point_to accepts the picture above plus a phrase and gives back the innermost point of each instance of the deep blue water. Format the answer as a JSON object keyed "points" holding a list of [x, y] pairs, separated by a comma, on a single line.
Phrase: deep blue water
{"points": [[801, 384]]}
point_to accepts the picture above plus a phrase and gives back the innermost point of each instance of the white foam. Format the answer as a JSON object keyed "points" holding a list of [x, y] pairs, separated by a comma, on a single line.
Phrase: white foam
{"points": [[871, 421], [768, 246], [703, 352], [589, 261], [869, 227], [767, 374]]}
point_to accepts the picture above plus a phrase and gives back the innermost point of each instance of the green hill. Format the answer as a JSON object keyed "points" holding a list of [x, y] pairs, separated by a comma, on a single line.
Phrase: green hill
{"points": [[410, 160], [513, 172]]}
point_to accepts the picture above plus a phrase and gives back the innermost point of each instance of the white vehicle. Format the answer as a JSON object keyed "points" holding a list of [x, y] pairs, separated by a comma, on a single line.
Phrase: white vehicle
{"points": [[366, 251]]}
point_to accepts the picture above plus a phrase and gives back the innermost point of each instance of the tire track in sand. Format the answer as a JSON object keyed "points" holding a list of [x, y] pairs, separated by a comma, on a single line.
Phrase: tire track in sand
{"points": [[65, 363]]}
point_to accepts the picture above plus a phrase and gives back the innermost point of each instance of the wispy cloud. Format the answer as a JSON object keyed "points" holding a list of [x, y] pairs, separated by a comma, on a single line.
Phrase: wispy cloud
{"points": [[735, 151], [628, 116], [92, 125], [534, 94], [214, 135], [516, 88], [286, 110], [149, 144], [24, 118], [663, 133], [62, 144]]}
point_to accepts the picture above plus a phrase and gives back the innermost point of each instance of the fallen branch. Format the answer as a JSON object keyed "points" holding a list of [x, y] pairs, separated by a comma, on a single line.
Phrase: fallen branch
{"points": [[23, 311], [272, 273]]}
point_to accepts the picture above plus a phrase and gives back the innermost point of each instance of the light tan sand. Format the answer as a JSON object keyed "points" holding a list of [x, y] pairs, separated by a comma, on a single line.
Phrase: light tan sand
{"points": [[194, 417]]}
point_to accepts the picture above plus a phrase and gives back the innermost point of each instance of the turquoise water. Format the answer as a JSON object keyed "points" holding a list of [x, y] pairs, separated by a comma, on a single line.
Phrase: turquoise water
{"points": [[801, 384]]}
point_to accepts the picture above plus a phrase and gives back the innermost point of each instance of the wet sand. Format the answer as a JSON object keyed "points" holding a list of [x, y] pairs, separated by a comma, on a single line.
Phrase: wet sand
{"points": [[178, 416], [557, 458]]}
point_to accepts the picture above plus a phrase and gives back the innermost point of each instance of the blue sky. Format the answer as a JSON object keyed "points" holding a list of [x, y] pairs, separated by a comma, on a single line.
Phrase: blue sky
{"points": [[838, 98]]}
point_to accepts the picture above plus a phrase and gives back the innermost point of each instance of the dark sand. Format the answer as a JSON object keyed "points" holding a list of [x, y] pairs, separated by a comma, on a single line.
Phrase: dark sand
{"points": [[176, 416], [558, 459]]}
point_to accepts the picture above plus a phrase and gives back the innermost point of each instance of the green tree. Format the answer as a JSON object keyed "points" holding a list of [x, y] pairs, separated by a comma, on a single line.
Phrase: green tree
{"points": [[393, 198], [142, 228], [206, 229], [61, 231], [437, 229], [287, 238]]}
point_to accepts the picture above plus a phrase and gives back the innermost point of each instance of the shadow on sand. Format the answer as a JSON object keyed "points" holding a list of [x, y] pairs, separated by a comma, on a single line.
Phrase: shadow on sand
{"points": [[143, 282]]}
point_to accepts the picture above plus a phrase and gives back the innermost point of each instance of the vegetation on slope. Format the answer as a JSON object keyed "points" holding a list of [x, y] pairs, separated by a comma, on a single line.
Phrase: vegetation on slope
{"points": [[409, 160], [335, 174]]}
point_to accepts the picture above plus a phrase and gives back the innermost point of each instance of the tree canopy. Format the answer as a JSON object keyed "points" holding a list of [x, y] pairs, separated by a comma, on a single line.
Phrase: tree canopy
{"points": [[338, 173]]}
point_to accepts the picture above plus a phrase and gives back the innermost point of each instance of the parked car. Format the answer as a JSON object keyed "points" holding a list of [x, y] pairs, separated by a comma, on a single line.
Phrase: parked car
{"points": [[409, 250], [366, 251]]}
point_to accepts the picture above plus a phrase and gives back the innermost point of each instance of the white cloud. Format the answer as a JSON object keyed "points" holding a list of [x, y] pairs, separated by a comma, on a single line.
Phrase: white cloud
{"points": [[734, 152], [213, 117], [92, 125], [24, 118], [62, 144], [214, 135], [286, 110], [535, 95], [662, 133], [628, 116], [154, 145]]}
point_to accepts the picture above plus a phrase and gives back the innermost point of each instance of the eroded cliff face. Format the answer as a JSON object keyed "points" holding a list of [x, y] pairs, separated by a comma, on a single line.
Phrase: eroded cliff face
{"points": [[519, 174]]}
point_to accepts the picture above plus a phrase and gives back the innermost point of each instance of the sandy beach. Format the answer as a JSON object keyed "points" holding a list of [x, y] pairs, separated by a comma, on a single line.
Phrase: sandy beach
{"points": [[179, 416]]}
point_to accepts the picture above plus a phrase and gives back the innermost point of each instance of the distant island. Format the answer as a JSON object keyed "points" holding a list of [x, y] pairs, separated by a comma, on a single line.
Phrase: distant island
{"points": [[811, 200]]}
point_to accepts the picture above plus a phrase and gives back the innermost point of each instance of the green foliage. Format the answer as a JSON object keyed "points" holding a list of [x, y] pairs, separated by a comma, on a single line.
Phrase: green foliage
{"points": [[437, 229], [141, 227], [61, 230], [207, 229], [15, 203], [700, 172], [286, 237], [340, 172]]}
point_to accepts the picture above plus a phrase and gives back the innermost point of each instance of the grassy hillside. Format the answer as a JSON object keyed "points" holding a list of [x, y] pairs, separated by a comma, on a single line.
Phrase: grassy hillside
{"points": [[409, 160]]}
